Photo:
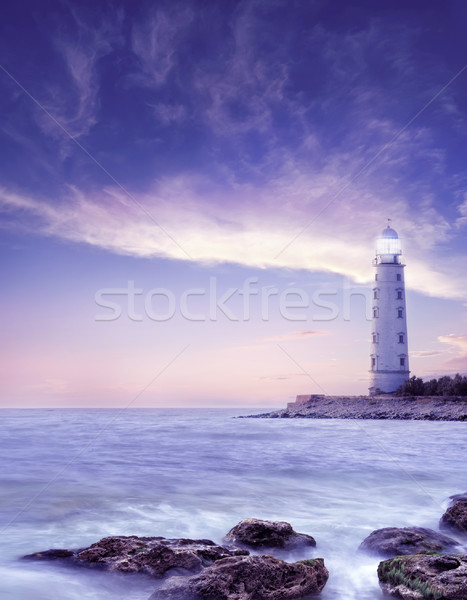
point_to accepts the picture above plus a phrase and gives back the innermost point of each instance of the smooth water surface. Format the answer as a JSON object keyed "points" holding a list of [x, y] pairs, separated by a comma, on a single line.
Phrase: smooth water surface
{"points": [[70, 477]]}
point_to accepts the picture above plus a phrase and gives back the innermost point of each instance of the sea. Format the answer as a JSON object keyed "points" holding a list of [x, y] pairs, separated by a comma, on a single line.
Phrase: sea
{"points": [[71, 477]]}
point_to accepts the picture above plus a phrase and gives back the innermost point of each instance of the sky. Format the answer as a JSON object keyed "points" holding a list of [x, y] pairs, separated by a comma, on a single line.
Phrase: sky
{"points": [[190, 193]]}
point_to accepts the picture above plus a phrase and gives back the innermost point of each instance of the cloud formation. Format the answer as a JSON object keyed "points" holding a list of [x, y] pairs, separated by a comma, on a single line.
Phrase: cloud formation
{"points": [[271, 226], [459, 343], [271, 140], [74, 100], [155, 40], [293, 336], [462, 209], [424, 353]]}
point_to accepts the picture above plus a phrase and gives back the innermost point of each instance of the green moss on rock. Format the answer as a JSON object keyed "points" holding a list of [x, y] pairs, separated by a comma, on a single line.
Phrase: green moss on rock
{"points": [[393, 572]]}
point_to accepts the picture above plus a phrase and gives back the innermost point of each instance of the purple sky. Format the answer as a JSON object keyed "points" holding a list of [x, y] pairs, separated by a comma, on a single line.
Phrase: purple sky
{"points": [[188, 147]]}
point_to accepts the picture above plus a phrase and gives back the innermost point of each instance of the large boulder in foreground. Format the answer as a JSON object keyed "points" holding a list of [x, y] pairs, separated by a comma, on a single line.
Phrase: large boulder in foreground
{"points": [[248, 578], [455, 517], [150, 555], [267, 534], [395, 541], [425, 577]]}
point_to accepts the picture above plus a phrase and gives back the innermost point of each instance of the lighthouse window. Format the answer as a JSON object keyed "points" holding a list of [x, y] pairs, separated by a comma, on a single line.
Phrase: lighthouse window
{"points": [[375, 294], [375, 338], [401, 338], [375, 313], [373, 363], [399, 313], [376, 277], [402, 362], [398, 277], [399, 295]]}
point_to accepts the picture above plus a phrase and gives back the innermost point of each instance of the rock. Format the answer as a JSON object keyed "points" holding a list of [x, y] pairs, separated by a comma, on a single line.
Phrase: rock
{"points": [[455, 517], [151, 555], [248, 578], [267, 534], [424, 408], [52, 554], [425, 577], [394, 541]]}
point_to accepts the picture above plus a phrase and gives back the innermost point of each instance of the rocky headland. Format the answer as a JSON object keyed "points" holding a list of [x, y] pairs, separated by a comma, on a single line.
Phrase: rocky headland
{"points": [[416, 408]]}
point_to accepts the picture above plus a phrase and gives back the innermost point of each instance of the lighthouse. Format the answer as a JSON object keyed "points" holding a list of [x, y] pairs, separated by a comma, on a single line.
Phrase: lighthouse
{"points": [[389, 358]]}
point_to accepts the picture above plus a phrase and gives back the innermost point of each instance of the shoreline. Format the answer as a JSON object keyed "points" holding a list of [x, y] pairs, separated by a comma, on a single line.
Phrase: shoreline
{"points": [[404, 408]]}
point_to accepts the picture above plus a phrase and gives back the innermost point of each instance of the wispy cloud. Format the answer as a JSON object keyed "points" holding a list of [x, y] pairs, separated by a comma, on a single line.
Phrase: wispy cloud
{"points": [[169, 113], [459, 344], [239, 93], [293, 336], [155, 41], [296, 149], [462, 209], [73, 98], [283, 377], [424, 353], [59, 387], [259, 221]]}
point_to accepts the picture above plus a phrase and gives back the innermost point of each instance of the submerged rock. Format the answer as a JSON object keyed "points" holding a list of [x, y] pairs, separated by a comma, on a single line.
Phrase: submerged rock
{"points": [[151, 555], [268, 534], [425, 577], [395, 541], [52, 554], [248, 578], [455, 517]]}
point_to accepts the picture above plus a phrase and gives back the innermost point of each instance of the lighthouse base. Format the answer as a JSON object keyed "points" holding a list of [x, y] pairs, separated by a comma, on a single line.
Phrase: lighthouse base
{"points": [[387, 382]]}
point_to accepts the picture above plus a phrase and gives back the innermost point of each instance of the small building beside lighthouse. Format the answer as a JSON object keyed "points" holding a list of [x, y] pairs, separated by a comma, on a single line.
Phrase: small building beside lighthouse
{"points": [[389, 357]]}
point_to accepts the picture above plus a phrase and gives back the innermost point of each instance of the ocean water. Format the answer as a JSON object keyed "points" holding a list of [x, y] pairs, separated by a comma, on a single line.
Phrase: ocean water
{"points": [[70, 477]]}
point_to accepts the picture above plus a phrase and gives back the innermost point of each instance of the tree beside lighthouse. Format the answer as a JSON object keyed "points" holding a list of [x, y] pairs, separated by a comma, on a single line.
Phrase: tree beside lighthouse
{"points": [[389, 357]]}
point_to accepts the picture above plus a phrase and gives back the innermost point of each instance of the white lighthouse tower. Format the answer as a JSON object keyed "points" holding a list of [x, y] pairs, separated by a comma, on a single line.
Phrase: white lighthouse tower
{"points": [[389, 350]]}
